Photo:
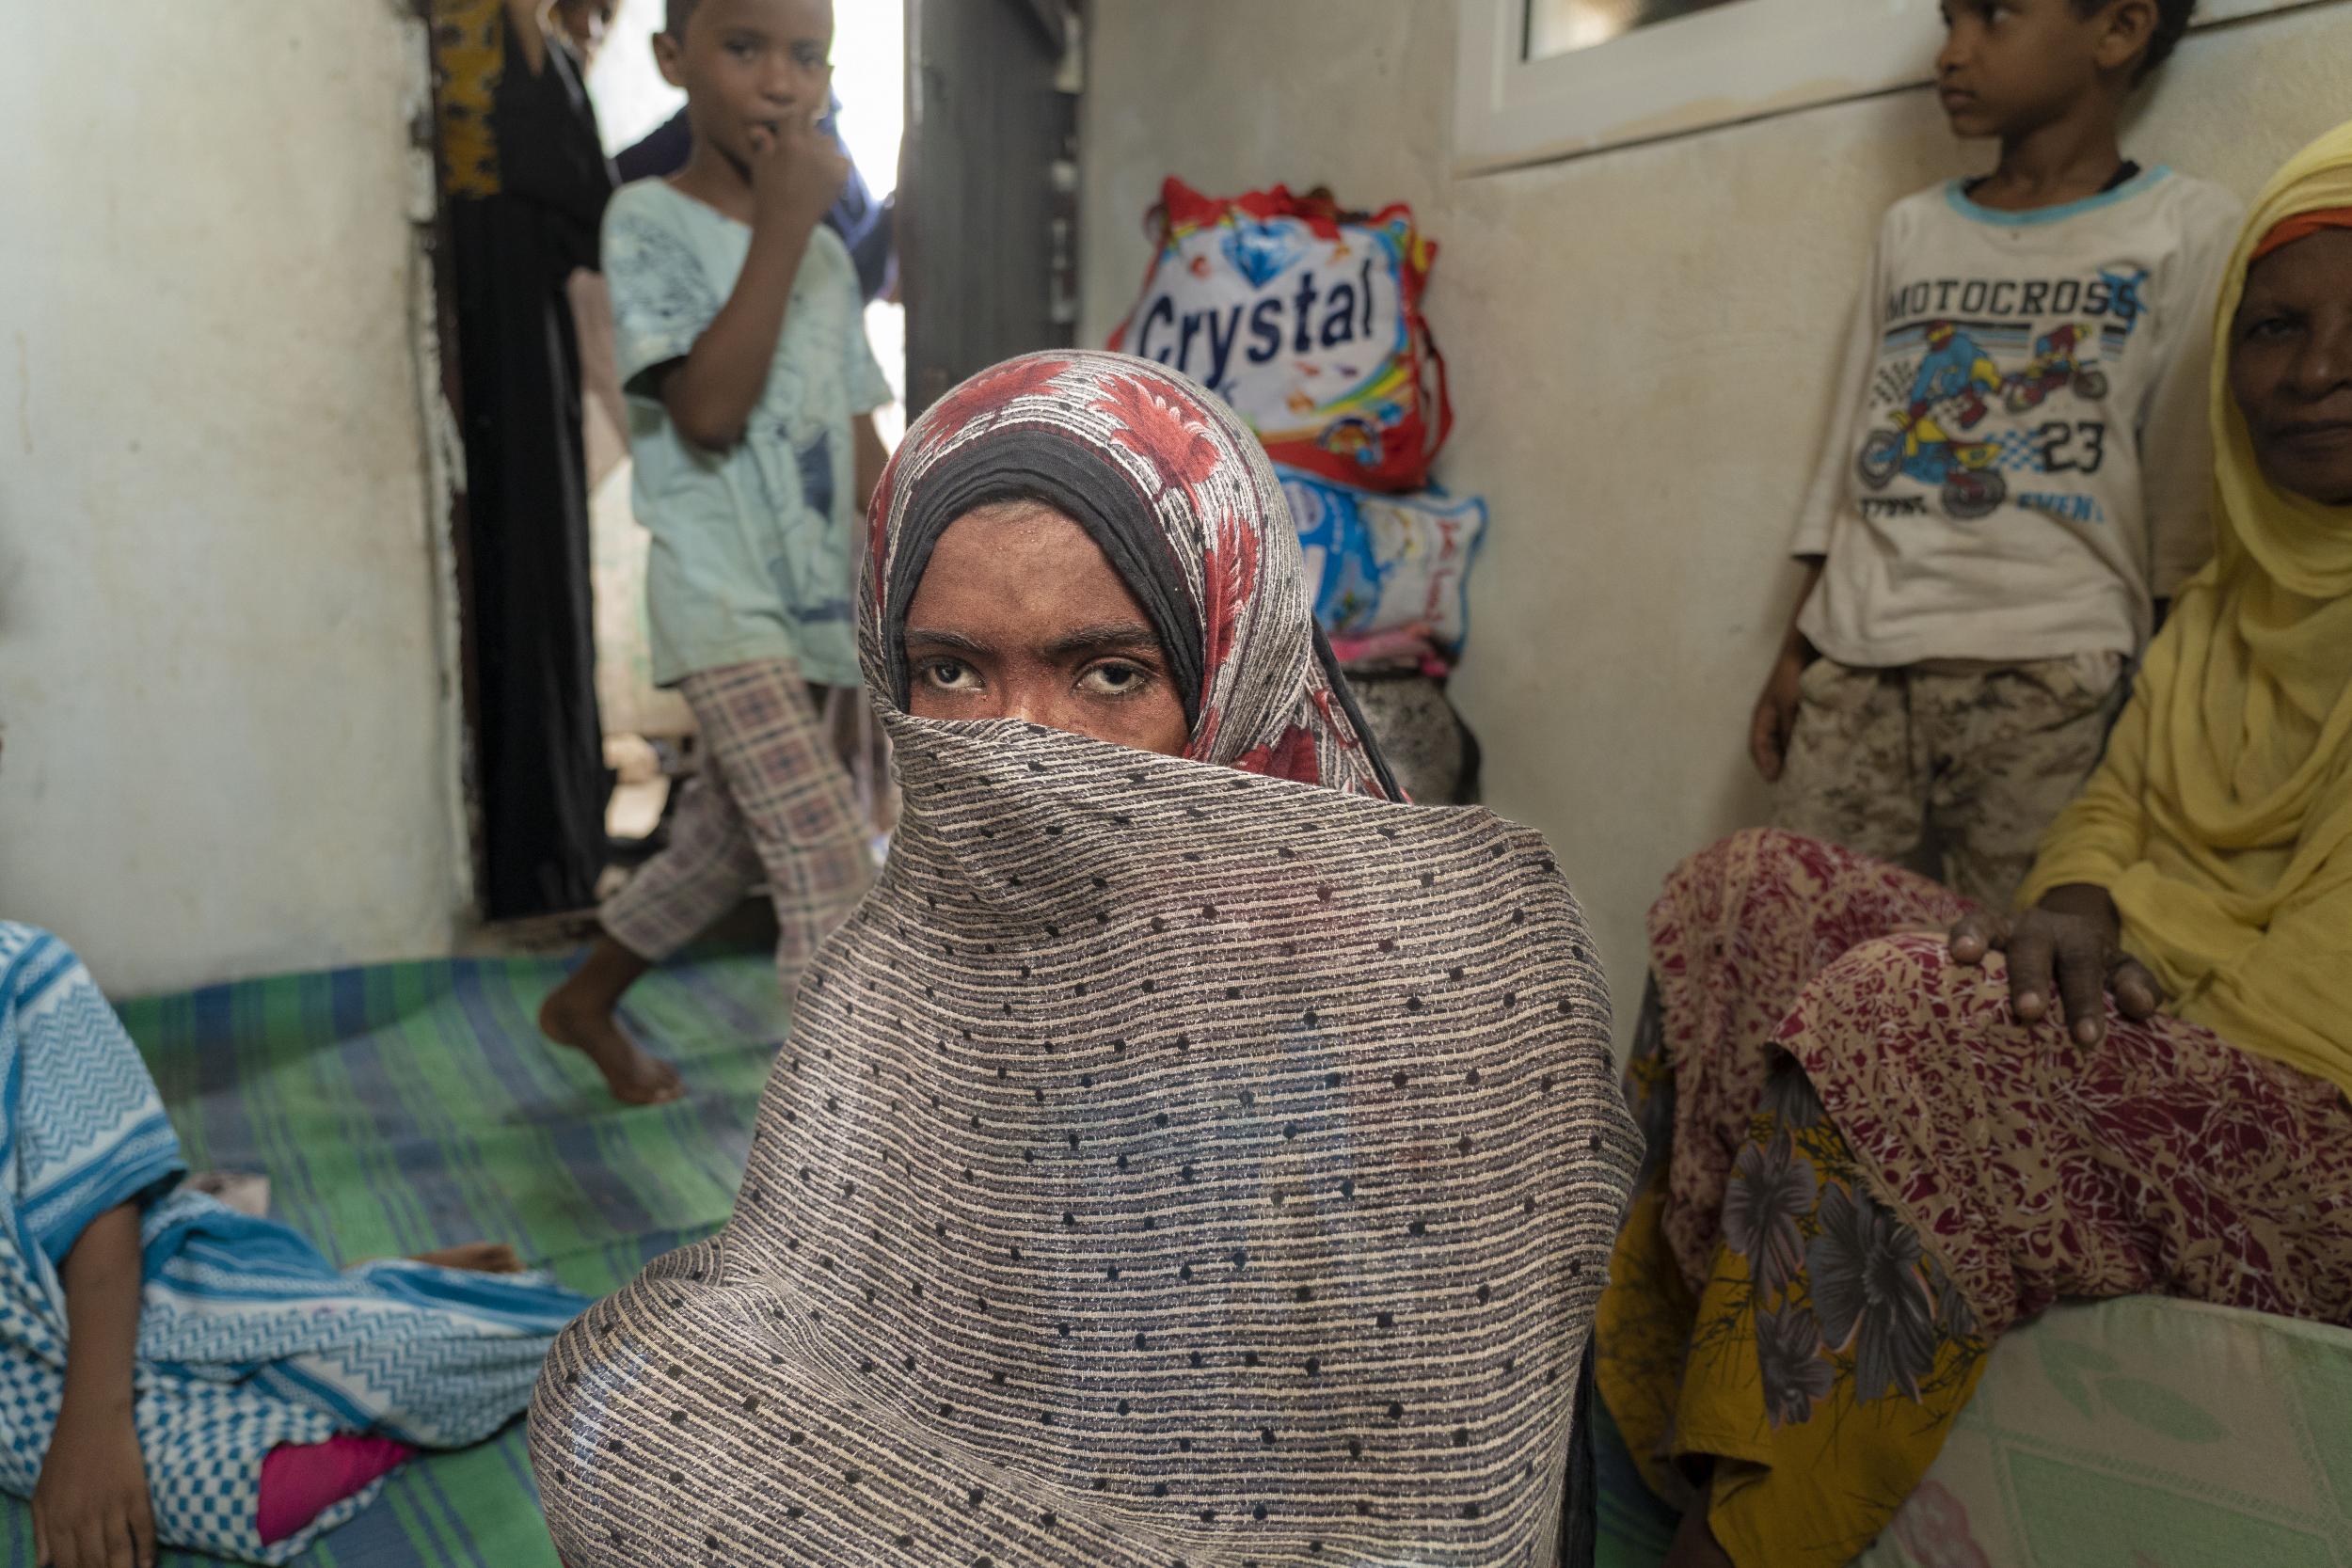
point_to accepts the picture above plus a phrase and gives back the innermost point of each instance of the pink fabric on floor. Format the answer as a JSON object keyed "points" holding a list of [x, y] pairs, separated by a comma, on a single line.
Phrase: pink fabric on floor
{"points": [[300, 1483]]}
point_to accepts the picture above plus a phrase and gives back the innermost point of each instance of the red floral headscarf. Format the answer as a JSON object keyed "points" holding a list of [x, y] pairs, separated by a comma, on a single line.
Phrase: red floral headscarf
{"points": [[1183, 499]]}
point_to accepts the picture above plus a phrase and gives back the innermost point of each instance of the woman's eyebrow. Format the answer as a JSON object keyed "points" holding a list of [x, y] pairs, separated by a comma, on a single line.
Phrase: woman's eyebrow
{"points": [[1116, 636], [929, 638], [2265, 304]]}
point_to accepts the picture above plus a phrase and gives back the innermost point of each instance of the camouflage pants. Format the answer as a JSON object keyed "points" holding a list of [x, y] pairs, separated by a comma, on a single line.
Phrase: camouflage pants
{"points": [[1953, 770]]}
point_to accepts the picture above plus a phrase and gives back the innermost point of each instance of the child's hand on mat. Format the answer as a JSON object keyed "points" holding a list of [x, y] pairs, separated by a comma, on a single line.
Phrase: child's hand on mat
{"points": [[2068, 946], [1775, 717], [797, 172], [90, 1506]]}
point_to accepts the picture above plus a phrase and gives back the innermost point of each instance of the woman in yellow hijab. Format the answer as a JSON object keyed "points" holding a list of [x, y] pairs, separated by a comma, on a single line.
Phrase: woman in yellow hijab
{"points": [[1886, 1126]]}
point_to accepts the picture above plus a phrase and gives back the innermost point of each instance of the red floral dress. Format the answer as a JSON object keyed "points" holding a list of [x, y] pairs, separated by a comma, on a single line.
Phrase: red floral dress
{"points": [[1863, 1170]]}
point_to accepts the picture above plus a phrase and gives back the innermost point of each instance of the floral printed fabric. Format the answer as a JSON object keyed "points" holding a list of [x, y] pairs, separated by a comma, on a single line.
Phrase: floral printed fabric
{"points": [[469, 52], [1862, 1171], [1822, 1363]]}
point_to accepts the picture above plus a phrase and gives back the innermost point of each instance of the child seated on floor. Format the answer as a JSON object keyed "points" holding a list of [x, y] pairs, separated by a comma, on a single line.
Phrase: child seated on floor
{"points": [[2018, 468], [739, 329], [174, 1372]]}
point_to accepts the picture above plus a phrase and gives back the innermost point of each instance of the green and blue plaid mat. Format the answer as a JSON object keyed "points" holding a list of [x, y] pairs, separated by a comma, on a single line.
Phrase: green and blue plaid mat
{"points": [[411, 1106]]}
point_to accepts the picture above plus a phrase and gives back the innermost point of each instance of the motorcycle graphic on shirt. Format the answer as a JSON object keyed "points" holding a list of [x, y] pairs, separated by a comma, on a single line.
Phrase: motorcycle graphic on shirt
{"points": [[2058, 363], [1948, 394], [1958, 422]]}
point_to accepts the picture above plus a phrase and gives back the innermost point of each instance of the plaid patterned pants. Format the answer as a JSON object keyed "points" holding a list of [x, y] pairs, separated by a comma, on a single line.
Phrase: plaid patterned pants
{"points": [[773, 799]]}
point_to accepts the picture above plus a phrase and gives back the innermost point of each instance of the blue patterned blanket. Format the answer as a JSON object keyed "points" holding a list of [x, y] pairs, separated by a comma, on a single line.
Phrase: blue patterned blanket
{"points": [[249, 1338]]}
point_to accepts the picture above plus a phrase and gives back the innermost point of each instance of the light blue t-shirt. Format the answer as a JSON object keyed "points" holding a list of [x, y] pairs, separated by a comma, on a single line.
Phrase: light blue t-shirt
{"points": [[753, 547]]}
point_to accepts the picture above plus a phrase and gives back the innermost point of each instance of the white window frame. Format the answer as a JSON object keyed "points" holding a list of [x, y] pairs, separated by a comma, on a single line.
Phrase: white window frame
{"points": [[1717, 67]]}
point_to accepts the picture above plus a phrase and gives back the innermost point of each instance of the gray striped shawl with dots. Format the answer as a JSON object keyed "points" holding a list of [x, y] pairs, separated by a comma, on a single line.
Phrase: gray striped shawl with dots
{"points": [[1169, 1165]]}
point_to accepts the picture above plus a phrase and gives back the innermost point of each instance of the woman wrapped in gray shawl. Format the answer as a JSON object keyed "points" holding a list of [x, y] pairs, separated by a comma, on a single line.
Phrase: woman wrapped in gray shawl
{"points": [[1190, 1152]]}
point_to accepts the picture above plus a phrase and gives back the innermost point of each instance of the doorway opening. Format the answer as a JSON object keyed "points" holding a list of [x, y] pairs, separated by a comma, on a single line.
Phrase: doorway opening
{"points": [[574, 754], [649, 733]]}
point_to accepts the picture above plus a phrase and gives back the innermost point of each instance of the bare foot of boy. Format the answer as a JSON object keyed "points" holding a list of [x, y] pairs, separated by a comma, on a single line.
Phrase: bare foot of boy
{"points": [[635, 1077], [1694, 1544], [474, 1258]]}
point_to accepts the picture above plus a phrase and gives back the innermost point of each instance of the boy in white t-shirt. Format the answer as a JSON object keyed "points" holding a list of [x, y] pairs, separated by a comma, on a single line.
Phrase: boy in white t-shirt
{"points": [[2019, 466], [739, 325]]}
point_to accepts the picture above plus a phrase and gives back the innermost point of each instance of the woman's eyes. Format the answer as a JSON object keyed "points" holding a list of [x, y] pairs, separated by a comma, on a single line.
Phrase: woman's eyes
{"points": [[2268, 328], [809, 60], [1109, 678], [1114, 678]]}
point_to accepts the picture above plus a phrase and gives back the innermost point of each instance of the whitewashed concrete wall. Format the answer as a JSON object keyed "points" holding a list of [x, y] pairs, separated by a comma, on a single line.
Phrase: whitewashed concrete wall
{"points": [[223, 633]]}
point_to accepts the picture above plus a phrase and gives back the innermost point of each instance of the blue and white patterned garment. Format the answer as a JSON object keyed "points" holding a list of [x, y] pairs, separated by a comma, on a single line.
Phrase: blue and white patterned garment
{"points": [[249, 1338]]}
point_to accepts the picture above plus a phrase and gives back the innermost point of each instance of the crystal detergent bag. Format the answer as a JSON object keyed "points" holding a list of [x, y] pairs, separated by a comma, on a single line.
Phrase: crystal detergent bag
{"points": [[1308, 321]]}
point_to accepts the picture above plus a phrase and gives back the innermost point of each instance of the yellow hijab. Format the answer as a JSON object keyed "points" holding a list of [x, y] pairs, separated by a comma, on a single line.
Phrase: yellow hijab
{"points": [[2222, 822]]}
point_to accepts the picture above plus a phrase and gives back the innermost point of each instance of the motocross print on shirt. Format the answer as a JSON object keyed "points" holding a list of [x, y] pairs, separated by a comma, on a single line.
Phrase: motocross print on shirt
{"points": [[2021, 462], [1958, 424]]}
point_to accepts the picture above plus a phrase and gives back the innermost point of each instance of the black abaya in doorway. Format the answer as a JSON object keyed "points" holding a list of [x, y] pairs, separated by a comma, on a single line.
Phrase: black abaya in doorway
{"points": [[528, 184]]}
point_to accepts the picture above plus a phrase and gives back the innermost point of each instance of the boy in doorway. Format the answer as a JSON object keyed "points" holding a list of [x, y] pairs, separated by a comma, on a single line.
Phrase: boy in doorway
{"points": [[2019, 465], [742, 349]]}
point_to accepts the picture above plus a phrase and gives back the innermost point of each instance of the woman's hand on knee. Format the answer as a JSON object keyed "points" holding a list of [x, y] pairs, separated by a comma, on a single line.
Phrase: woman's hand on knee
{"points": [[1979, 934], [2064, 952]]}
